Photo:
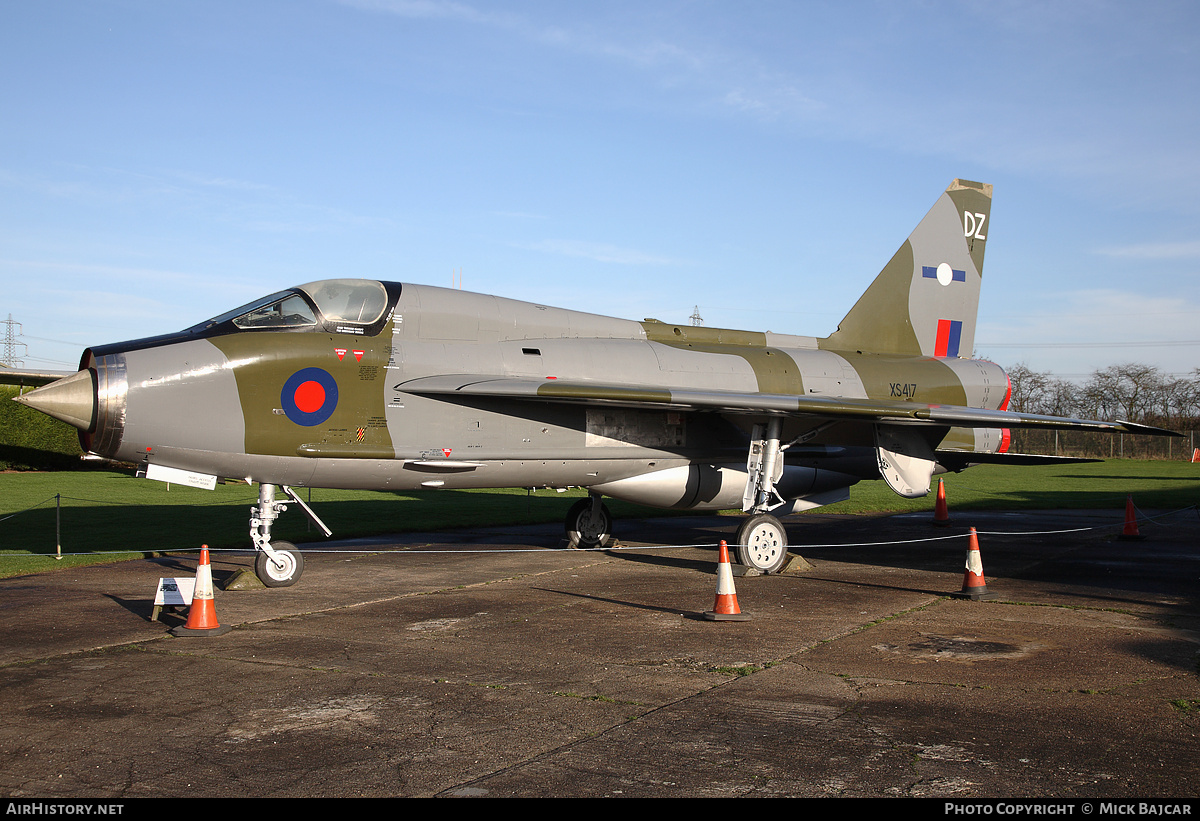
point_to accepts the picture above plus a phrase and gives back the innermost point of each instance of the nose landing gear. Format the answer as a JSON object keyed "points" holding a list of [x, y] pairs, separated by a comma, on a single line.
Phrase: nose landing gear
{"points": [[278, 564]]}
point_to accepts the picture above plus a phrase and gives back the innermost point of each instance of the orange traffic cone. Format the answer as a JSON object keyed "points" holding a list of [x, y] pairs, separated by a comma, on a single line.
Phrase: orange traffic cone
{"points": [[726, 606], [1196, 455], [941, 516], [1130, 533], [974, 585], [202, 615]]}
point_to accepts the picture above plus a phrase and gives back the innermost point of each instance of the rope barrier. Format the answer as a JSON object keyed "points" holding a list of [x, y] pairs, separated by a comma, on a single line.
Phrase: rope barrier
{"points": [[26, 510], [1143, 517]]}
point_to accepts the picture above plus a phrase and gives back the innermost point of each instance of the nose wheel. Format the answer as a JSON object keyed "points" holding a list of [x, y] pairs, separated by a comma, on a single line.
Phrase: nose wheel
{"points": [[281, 567]]}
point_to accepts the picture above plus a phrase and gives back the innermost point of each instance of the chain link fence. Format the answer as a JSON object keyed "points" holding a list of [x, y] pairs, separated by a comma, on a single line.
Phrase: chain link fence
{"points": [[1104, 445]]}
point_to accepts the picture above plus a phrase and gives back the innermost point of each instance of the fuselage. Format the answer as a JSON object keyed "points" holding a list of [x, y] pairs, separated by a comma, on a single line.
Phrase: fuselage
{"points": [[310, 387]]}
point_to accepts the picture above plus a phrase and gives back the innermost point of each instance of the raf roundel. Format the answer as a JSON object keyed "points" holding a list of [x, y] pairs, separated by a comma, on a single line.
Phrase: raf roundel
{"points": [[309, 397]]}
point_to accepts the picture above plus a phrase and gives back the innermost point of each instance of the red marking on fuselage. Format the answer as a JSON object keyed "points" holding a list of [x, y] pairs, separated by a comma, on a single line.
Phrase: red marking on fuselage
{"points": [[310, 396]]}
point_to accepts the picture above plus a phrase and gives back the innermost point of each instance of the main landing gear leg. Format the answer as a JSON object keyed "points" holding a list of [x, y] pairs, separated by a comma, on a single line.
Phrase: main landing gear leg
{"points": [[762, 539], [279, 563]]}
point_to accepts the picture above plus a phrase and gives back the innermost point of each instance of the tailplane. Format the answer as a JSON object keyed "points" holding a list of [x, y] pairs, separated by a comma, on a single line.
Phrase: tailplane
{"points": [[925, 300]]}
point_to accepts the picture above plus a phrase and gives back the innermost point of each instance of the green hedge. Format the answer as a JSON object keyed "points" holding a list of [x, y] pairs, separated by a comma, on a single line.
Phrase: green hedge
{"points": [[33, 441]]}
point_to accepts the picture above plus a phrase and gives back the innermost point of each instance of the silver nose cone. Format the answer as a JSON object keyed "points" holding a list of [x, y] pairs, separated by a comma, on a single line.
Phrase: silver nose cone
{"points": [[71, 399]]}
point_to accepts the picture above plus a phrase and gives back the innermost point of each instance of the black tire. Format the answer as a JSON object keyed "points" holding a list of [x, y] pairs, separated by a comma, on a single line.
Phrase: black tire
{"points": [[585, 530], [762, 543], [271, 575]]}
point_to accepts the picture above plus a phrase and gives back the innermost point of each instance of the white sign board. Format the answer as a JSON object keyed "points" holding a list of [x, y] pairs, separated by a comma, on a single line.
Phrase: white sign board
{"points": [[173, 593], [181, 477], [176, 592]]}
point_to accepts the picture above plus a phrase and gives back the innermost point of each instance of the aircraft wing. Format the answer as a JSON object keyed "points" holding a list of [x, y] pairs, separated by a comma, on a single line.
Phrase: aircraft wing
{"points": [[20, 376], [849, 409]]}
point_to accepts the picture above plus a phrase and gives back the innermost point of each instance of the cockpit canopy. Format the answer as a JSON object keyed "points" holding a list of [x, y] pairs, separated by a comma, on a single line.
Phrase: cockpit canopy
{"points": [[349, 304], [357, 301]]}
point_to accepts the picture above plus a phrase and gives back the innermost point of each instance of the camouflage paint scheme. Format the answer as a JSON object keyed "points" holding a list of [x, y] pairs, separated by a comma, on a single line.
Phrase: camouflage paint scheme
{"points": [[434, 387]]}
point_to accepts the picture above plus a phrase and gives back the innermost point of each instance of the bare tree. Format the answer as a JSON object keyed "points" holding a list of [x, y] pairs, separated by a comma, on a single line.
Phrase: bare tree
{"points": [[1029, 389], [1128, 392], [1041, 392], [1131, 392]]}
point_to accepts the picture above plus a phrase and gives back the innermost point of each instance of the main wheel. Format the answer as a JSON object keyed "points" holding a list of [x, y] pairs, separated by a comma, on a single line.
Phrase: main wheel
{"points": [[286, 572], [585, 528], [762, 543]]}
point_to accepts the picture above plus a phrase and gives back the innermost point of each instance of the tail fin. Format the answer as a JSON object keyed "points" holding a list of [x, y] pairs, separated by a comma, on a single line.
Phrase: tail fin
{"points": [[925, 300]]}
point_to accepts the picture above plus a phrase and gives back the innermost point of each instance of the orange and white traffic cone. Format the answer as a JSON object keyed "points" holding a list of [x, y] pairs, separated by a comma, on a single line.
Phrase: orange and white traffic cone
{"points": [[1196, 455], [726, 606], [202, 615], [941, 516], [1130, 533], [974, 585]]}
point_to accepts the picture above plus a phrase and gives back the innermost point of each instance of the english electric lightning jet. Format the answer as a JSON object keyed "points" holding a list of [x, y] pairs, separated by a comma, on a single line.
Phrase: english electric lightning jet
{"points": [[351, 383]]}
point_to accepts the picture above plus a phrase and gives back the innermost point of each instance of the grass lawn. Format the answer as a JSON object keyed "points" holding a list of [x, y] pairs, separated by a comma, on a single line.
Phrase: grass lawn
{"points": [[108, 516]]}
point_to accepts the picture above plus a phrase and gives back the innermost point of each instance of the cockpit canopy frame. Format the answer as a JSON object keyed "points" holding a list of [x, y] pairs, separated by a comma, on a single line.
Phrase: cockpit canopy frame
{"points": [[357, 306]]}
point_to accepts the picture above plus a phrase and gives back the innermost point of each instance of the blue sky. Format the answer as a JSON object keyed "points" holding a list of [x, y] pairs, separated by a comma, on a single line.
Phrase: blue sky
{"points": [[161, 163]]}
